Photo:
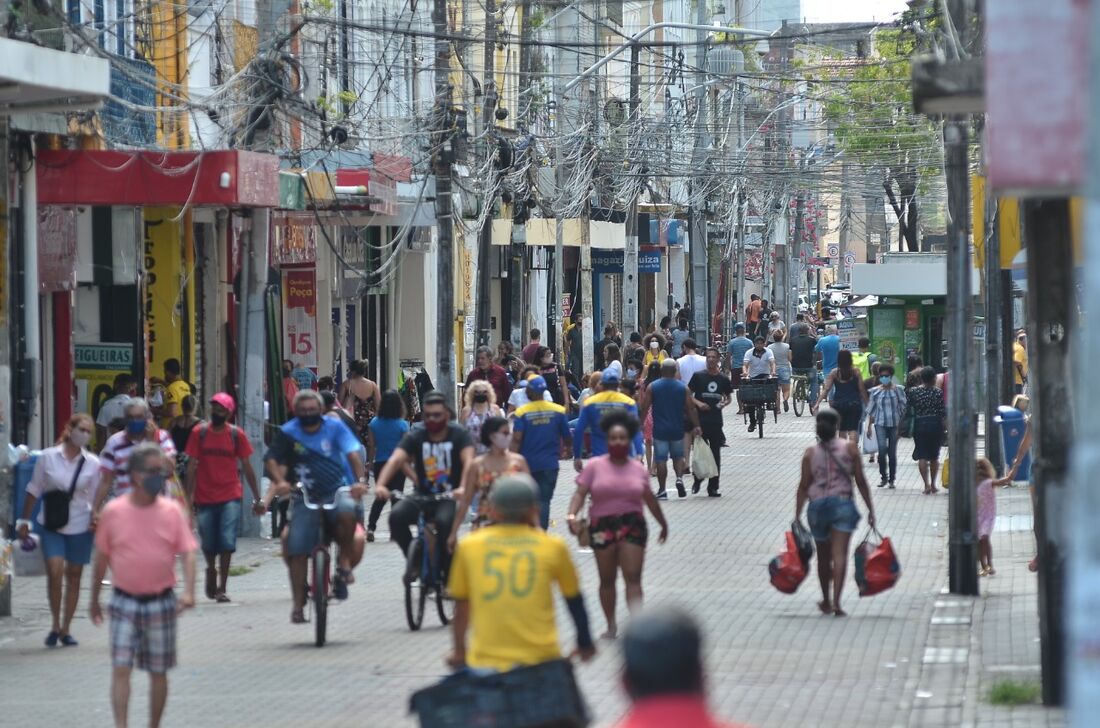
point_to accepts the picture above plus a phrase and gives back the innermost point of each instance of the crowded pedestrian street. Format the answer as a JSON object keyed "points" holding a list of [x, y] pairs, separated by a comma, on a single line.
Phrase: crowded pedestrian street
{"points": [[912, 656]]}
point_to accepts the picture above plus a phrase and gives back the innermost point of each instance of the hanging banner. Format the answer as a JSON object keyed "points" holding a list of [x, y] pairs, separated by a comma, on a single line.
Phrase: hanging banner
{"points": [[163, 296], [56, 249], [300, 317]]}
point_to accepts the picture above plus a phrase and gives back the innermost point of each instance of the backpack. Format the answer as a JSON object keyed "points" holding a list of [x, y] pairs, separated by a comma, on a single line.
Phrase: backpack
{"points": [[234, 432]]}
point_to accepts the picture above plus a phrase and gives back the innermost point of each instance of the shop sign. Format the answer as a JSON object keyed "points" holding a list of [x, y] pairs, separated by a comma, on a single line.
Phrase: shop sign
{"points": [[611, 261], [295, 240], [56, 249], [300, 317], [96, 366], [163, 294], [113, 357], [851, 330], [665, 232]]}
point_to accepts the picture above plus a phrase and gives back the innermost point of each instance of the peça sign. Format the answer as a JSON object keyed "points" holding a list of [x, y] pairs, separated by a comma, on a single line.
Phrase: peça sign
{"points": [[300, 317]]}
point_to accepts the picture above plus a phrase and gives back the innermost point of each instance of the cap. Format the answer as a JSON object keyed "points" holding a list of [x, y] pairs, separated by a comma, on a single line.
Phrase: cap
{"points": [[224, 400], [536, 385], [609, 376], [513, 495], [739, 326]]}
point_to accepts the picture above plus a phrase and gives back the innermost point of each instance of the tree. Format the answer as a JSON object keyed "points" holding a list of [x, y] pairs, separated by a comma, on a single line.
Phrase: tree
{"points": [[868, 106]]}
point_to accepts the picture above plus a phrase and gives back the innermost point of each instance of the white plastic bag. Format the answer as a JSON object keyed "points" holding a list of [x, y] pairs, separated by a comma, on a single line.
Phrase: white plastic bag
{"points": [[28, 562], [868, 443], [703, 466]]}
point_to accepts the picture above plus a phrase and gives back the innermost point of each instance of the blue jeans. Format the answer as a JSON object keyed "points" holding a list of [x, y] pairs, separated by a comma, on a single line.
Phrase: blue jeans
{"points": [[547, 480], [887, 448], [218, 526]]}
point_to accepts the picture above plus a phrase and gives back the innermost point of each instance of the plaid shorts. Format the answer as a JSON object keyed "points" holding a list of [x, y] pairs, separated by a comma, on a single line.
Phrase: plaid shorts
{"points": [[145, 630]]}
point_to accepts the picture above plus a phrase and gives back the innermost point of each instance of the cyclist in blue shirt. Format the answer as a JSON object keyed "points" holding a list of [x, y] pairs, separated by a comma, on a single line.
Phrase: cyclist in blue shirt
{"points": [[829, 347], [539, 429], [322, 454], [593, 410]]}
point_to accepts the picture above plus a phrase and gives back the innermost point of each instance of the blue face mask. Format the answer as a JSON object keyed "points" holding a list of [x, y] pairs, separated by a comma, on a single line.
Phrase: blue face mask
{"points": [[885, 379], [135, 427]]}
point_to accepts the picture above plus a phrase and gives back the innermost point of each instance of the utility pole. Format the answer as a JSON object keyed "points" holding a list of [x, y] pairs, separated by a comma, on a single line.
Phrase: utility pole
{"points": [[1050, 323], [442, 159], [587, 312], [799, 233], [558, 294], [994, 344], [518, 250], [630, 322], [845, 223], [742, 299], [6, 479], [1083, 498], [699, 267], [488, 197]]}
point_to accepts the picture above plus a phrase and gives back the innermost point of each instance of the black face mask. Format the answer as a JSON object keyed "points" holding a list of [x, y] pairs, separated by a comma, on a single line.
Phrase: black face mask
{"points": [[217, 419], [310, 420], [481, 398]]}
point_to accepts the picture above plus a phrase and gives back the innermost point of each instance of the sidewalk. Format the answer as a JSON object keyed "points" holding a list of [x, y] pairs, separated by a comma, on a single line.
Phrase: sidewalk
{"points": [[909, 657]]}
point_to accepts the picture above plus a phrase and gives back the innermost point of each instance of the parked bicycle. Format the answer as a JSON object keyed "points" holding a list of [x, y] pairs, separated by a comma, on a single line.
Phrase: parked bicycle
{"points": [[424, 573]]}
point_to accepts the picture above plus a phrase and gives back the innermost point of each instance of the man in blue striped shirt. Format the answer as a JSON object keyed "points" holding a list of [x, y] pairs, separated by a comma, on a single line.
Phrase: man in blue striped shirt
{"points": [[884, 414]]}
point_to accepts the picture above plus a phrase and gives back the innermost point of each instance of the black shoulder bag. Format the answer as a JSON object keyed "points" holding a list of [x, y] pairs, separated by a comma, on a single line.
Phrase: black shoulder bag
{"points": [[55, 504]]}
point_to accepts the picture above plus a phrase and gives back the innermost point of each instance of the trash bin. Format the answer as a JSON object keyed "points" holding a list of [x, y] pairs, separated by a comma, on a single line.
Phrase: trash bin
{"points": [[1012, 424]]}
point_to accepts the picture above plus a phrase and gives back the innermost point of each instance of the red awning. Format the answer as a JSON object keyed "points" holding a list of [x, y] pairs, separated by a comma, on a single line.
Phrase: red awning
{"points": [[142, 178]]}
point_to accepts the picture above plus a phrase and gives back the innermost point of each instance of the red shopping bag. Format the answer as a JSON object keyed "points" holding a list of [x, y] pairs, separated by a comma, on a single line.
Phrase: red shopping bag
{"points": [[787, 570], [877, 566]]}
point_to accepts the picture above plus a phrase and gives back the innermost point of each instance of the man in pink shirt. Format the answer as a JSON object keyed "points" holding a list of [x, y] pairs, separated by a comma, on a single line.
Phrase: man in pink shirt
{"points": [[139, 536]]}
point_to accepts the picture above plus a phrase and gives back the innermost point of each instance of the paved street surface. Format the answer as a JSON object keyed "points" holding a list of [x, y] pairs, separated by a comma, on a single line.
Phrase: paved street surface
{"points": [[910, 657]]}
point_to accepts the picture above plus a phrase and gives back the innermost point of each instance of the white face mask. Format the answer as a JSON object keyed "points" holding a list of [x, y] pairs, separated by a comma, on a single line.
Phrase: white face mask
{"points": [[501, 439], [654, 345], [79, 438]]}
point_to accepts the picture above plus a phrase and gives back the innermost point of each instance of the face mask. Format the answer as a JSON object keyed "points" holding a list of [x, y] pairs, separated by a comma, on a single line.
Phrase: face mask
{"points": [[218, 420], [435, 426], [885, 379], [501, 440], [618, 452], [631, 373], [826, 431], [135, 428], [79, 437], [153, 484], [310, 420], [654, 345], [481, 398]]}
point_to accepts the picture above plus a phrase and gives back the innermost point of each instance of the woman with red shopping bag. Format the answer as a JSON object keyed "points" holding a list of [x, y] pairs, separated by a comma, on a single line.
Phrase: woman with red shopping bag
{"points": [[828, 471]]}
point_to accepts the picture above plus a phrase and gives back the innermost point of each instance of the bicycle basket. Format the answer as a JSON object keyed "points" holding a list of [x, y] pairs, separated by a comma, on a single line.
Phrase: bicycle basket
{"points": [[538, 696], [756, 393]]}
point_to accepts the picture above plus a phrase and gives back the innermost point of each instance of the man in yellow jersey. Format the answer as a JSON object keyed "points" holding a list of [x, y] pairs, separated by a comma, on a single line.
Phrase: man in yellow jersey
{"points": [[502, 580]]}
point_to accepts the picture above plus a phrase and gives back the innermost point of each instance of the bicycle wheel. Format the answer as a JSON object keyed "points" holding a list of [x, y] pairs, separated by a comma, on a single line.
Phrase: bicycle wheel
{"points": [[416, 594], [760, 420], [445, 607], [798, 399], [319, 587]]}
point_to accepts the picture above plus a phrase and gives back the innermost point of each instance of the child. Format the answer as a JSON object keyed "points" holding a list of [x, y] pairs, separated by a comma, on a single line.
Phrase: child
{"points": [[986, 478]]}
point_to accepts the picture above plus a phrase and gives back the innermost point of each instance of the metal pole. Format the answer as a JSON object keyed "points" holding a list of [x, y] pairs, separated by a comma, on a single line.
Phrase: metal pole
{"points": [[796, 244], [630, 322], [845, 224], [518, 250], [1049, 319], [1083, 498], [6, 501], [994, 348], [32, 342], [742, 299], [587, 312], [558, 295], [441, 164], [252, 351], [488, 198], [963, 571], [699, 267]]}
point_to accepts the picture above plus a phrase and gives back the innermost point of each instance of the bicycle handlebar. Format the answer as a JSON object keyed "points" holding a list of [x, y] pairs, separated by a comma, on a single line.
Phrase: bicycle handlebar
{"points": [[313, 506]]}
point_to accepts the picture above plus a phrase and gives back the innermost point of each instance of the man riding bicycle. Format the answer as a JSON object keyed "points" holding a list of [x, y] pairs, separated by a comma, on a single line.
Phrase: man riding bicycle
{"points": [[439, 452], [321, 454]]}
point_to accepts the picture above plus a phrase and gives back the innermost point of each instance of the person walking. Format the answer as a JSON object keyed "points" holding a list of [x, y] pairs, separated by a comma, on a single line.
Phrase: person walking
{"points": [[595, 408], [672, 408], [846, 394], [619, 488], [386, 430], [479, 474], [776, 323], [655, 349], [574, 346], [64, 479], [829, 348], [528, 352], [985, 480], [361, 397], [213, 485], [487, 370], [653, 373], [125, 387], [180, 430], [781, 352], [736, 349], [712, 392], [600, 361], [663, 672], [884, 414], [1019, 361], [509, 614], [540, 431], [139, 537], [554, 376], [752, 313], [176, 388], [829, 469], [929, 421], [115, 458], [480, 405], [677, 337], [759, 363]]}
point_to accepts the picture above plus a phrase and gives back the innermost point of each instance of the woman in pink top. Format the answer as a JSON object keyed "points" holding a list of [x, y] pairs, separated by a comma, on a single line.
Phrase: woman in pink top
{"points": [[619, 487], [828, 469]]}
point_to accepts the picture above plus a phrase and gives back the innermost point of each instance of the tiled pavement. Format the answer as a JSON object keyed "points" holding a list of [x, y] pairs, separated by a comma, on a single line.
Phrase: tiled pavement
{"points": [[911, 656]]}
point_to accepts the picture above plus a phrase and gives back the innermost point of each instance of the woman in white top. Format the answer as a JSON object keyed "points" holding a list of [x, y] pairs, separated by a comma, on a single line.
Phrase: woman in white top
{"points": [[775, 324], [65, 468], [782, 353]]}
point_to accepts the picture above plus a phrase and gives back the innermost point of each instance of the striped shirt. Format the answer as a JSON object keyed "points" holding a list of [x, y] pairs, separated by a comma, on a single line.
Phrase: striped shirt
{"points": [[887, 406], [116, 456]]}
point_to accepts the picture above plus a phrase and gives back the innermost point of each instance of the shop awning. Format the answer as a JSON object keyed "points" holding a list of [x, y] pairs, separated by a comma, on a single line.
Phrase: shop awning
{"points": [[543, 231], [143, 178], [35, 79]]}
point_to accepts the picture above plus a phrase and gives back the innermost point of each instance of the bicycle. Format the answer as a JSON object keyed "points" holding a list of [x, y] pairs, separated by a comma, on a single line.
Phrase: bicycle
{"points": [[761, 395], [800, 393], [319, 577], [423, 561]]}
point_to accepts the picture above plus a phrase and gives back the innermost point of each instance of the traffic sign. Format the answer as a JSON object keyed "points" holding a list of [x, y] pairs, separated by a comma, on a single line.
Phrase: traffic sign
{"points": [[849, 259], [834, 250]]}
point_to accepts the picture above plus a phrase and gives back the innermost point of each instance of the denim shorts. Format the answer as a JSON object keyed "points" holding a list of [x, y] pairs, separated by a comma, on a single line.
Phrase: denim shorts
{"points": [[784, 374], [302, 536], [664, 449], [218, 525], [835, 511], [75, 548]]}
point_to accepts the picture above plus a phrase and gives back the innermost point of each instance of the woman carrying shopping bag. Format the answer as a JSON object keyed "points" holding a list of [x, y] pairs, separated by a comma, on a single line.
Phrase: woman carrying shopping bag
{"points": [[829, 469]]}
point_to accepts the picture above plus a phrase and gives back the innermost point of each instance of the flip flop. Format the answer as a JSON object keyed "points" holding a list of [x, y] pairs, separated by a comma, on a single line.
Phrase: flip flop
{"points": [[297, 616], [221, 598]]}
